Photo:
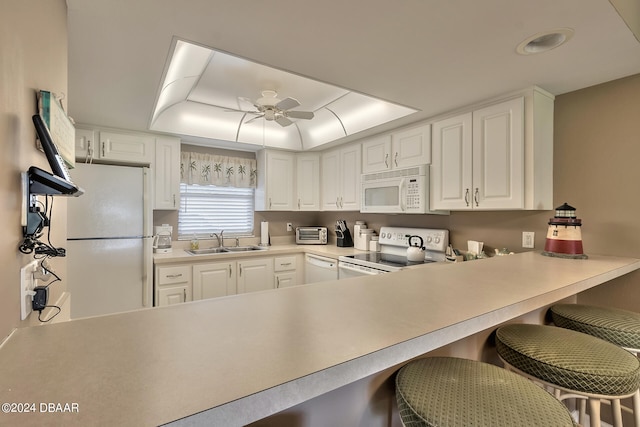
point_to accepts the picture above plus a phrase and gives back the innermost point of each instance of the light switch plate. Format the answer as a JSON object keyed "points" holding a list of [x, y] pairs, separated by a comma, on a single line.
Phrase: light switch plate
{"points": [[528, 239]]}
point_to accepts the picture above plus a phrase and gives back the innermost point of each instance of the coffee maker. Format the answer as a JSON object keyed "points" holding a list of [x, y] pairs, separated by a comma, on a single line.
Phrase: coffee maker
{"points": [[162, 239], [343, 235]]}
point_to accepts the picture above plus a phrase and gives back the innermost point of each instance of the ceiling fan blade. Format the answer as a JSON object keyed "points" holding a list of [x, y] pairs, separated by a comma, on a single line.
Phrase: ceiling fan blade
{"points": [[306, 115], [283, 121], [287, 104], [254, 118]]}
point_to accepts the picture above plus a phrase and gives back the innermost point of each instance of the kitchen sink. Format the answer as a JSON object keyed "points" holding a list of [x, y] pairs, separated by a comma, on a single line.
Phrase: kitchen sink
{"points": [[245, 248], [224, 250], [206, 251]]}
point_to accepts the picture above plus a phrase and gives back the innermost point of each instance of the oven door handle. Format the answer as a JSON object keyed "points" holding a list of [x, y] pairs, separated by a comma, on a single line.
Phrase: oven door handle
{"points": [[368, 271]]}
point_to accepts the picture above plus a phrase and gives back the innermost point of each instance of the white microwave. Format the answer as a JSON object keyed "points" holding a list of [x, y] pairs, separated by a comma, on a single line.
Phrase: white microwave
{"points": [[396, 191]]}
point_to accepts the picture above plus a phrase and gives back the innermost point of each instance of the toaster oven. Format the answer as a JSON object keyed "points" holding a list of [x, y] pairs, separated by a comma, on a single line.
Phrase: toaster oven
{"points": [[311, 235]]}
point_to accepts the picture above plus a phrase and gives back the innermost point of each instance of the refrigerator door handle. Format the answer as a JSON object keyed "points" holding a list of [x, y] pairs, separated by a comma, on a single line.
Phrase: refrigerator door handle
{"points": [[147, 273]]}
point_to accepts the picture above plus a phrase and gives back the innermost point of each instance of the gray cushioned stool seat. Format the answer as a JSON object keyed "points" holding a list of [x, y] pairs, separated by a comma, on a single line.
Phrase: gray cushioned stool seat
{"points": [[449, 392], [620, 327], [569, 359]]}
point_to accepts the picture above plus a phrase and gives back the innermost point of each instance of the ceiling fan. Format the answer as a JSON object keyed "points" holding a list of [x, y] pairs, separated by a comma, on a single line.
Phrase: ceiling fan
{"points": [[274, 109]]}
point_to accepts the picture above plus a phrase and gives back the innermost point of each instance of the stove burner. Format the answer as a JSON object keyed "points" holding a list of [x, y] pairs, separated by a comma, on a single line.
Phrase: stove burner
{"points": [[391, 260]]}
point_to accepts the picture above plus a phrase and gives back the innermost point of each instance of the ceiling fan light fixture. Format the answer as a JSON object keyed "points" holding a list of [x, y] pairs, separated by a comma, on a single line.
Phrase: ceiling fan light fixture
{"points": [[545, 41], [269, 98]]}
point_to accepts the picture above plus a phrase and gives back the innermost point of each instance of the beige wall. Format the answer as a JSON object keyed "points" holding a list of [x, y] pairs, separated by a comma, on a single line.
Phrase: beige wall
{"points": [[33, 49], [597, 148]]}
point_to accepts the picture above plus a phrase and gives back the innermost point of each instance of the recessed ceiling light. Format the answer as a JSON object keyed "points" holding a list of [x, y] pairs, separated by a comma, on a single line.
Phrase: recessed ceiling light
{"points": [[545, 41]]}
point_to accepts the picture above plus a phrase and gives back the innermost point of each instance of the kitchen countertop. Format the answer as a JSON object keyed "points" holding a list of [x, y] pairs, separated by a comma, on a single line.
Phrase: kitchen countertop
{"points": [[232, 360]]}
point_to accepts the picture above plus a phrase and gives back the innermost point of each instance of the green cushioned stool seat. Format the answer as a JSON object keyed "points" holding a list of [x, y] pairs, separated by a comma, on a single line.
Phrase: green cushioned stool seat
{"points": [[571, 361], [451, 392], [620, 327]]}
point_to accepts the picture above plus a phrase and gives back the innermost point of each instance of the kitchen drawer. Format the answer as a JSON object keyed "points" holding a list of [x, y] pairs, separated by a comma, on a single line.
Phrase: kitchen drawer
{"points": [[284, 263], [171, 275]]}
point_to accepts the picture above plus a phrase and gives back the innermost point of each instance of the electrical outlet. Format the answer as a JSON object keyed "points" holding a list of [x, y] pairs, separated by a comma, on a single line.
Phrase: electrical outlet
{"points": [[27, 285], [289, 226], [528, 239]]}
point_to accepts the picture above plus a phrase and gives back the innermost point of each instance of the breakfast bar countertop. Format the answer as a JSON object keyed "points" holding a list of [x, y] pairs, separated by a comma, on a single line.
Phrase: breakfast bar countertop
{"points": [[230, 361]]}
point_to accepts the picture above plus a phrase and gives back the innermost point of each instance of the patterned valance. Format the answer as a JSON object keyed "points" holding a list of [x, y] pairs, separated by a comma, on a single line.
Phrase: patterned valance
{"points": [[208, 169]]}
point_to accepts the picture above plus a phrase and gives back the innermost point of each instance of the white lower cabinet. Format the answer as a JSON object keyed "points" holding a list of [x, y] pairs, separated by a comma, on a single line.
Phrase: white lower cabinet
{"points": [[173, 295], [255, 275], [216, 279], [192, 282], [286, 272], [173, 285]]}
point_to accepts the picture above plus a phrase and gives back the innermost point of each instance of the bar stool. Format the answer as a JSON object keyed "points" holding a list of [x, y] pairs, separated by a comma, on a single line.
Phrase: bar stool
{"points": [[452, 392], [574, 364], [620, 327]]}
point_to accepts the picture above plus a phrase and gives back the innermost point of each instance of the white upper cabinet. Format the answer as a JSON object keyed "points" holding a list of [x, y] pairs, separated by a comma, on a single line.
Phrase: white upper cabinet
{"points": [[275, 189], [404, 148], [451, 173], [308, 181], [498, 156], [495, 158], [341, 169], [86, 143], [167, 174], [411, 147], [376, 154], [114, 147]]}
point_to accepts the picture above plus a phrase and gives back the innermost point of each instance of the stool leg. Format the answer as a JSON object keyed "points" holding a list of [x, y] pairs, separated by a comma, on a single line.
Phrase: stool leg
{"points": [[594, 412], [616, 412], [636, 408], [583, 411]]}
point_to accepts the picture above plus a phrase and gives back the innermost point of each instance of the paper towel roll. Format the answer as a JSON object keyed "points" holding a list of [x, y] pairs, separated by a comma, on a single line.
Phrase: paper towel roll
{"points": [[264, 233]]}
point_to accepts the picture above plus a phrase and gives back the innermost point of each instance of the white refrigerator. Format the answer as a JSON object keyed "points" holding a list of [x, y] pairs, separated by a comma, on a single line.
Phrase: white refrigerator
{"points": [[109, 253]]}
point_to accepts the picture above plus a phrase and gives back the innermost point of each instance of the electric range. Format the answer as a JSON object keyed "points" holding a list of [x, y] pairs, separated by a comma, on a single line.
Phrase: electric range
{"points": [[394, 242]]}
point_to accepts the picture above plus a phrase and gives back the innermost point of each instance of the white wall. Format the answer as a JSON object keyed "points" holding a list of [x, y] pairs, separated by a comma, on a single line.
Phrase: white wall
{"points": [[33, 56]]}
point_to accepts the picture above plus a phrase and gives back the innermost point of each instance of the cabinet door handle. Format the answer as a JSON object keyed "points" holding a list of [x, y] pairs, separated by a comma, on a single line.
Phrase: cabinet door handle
{"points": [[277, 282], [184, 293], [230, 270], [298, 203], [341, 204], [395, 159], [476, 197], [285, 263], [103, 148], [466, 197], [240, 270], [269, 202], [174, 200], [386, 160], [89, 154], [173, 276], [337, 202]]}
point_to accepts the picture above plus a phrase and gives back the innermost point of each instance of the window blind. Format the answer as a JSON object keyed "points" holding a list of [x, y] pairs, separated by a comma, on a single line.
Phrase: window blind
{"points": [[206, 209]]}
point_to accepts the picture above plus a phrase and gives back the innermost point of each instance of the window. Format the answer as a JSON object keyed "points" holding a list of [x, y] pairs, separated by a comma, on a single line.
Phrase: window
{"points": [[205, 209]]}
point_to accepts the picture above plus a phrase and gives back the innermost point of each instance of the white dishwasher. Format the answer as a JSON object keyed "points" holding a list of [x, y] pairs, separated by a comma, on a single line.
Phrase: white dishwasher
{"points": [[319, 268]]}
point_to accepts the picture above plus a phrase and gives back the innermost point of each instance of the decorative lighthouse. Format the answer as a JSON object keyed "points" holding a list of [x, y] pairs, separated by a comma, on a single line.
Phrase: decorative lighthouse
{"points": [[564, 238]]}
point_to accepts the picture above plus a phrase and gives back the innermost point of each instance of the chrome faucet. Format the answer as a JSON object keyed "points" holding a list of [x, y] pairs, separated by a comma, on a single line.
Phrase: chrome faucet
{"points": [[220, 238], [237, 242]]}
